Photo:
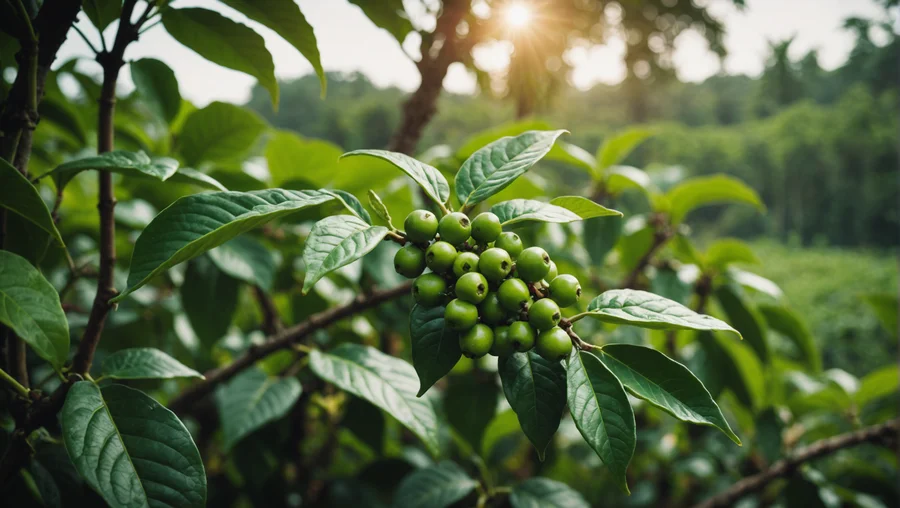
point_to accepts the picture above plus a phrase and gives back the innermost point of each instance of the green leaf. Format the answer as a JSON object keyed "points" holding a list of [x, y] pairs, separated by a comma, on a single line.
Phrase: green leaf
{"points": [[290, 157], [246, 259], [30, 307], [709, 190], [745, 319], [429, 178], [195, 224], [387, 14], [622, 178], [377, 204], [102, 12], [156, 84], [560, 210], [251, 400], [876, 385], [130, 449], [352, 204], [387, 382], [337, 241], [646, 310], [615, 149], [144, 363], [885, 307], [494, 167], [737, 367], [194, 177], [19, 196], [536, 390], [223, 42], [117, 161], [209, 298], [435, 346], [755, 282], [437, 486], [786, 322], [470, 403], [726, 251], [601, 411], [666, 384], [285, 19], [600, 237], [545, 493], [218, 132]]}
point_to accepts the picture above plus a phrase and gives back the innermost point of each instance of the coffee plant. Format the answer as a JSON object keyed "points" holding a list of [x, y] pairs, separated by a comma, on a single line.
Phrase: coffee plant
{"points": [[181, 329]]}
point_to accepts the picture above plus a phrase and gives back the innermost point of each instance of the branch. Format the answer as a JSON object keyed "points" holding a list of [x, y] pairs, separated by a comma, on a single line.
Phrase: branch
{"points": [[660, 237], [271, 322], [876, 433], [283, 340]]}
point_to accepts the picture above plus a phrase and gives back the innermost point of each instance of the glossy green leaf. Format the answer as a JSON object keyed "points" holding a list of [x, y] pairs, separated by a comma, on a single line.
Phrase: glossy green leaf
{"points": [[584, 207], [436, 486], [387, 382], [470, 403], [290, 157], [117, 161], [646, 310], [666, 384], [560, 210], [224, 42], [435, 346], [601, 412], [615, 149], [157, 86], [377, 204], [536, 390], [102, 12], [737, 368], [337, 241], [144, 363], [195, 224], [352, 204], [130, 449], [876, 385], [755, 282], [786, 322], [19, 196], [218, 132], [245, 258], [545, 493], [194, 177], [251, 400], [709, 190], [745, 319], [429, 178], [387, 14], [726, 251], [622, 178], [209, 298], [600, 236], [30, 307], [285, 19], [494, 167]]}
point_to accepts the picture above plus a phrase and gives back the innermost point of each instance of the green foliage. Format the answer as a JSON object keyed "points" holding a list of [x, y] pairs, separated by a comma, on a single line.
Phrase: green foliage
{"points": [[157, 85], [144, 363], [640, 308], [20, 197], [252, 400], [436, 486]]}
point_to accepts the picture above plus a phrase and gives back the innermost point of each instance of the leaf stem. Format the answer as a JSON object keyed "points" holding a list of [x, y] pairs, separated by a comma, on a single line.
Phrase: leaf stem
{"points": [[578, 317], [566, 324], [21, 390], [26, 19], [86, 41]]}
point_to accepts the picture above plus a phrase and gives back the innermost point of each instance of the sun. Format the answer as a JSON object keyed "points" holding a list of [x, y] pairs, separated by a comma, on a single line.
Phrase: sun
{"points": [[517, 15]]}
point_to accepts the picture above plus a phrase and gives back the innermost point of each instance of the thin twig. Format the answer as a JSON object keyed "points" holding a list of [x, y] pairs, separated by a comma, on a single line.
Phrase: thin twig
{"points": [[660, 237], [21, 390], [271, 321], [566, 324], [86, 41], [785, 467]]}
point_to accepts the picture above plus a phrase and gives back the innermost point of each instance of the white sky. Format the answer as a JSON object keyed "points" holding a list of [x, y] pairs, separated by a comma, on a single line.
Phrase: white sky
{"points": [[348, 42]]}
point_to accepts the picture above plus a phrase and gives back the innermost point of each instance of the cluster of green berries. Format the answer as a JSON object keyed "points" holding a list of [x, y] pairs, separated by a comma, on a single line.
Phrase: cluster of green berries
{"points": [[495, 291]]}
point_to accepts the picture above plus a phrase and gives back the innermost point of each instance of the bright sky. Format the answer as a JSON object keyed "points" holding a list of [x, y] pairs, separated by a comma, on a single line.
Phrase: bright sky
{"points": [[348, 42]]}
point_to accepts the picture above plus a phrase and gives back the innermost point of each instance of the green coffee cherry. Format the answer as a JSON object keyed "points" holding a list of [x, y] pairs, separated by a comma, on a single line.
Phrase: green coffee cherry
{"points": [[495, 264], [409, 261], [491, 311], [429, 290], [511, 243], [460, 315], [514, 295], [455, 228], [552, 272], [566, 290], [472, 287], [486, 228], [502, 344], [440, 257], [553, 344], [521, 336], [420, 226], [477, 342], [533, 264], [544, 314], [464, 263]]}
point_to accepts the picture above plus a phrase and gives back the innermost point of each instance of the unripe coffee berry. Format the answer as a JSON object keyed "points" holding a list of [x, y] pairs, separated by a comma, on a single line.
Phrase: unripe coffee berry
{"points": [[472, 287], [460, 315], [477, 342], [420, 226], [521, 336], [409, 261], [440, 257], [502, 345], [486, 228], [514, 295], [429, 290], [566, 290], [552, 272], [553, 344], [455, 228], [533, 264], [464, 263], [544, 314], [491, 311], [511, 243], [495, 264]]}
